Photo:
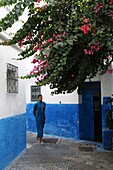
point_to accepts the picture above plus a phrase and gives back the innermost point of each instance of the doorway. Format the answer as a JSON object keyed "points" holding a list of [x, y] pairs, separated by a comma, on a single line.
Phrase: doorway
{"points": [[90, 115]]}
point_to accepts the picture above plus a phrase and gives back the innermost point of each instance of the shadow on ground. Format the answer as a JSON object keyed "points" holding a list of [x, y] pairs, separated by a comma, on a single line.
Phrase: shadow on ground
{"points": [[62, 154]]}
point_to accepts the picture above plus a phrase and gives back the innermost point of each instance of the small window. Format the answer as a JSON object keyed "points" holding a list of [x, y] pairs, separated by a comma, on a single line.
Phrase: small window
{"points": [[35, 91], [12, 78]]}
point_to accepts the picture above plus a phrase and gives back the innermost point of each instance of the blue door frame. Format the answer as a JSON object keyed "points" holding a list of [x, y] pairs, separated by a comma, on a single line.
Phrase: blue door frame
{"points": [[86, 110]]}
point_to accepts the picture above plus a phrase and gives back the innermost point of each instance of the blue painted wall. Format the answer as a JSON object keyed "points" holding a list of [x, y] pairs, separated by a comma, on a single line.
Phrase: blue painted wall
{"points": [[61, 120], [107, 134], [12, 138], [105, 107]]}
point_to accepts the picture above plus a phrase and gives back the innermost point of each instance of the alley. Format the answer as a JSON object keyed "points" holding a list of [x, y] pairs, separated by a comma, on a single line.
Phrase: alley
{"points": [[62, 154]]}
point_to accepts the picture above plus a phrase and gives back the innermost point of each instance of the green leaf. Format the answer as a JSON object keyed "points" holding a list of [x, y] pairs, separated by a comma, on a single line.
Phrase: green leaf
{"points": [[70, 42]]}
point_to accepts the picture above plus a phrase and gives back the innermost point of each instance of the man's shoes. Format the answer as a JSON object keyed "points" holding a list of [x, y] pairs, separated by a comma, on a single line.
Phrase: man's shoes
{"points": [[42, 143]]}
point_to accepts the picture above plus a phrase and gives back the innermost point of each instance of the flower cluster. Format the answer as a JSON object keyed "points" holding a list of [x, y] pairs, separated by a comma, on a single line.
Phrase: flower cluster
{"points": [[111, 2], [97, 7], [37, 48], [39, 68], [27, 38], [20, 43], [85, 28], [41, 8], [34, 60], [39, 64], [109, 71], [92, 49], [111, 13]]}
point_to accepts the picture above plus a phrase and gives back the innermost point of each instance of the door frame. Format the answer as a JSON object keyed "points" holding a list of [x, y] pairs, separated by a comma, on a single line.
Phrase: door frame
{"points": [[94, 87]]}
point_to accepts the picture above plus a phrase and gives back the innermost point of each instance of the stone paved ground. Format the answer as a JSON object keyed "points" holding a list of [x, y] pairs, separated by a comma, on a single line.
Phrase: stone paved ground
{"points": [[64, 155]]}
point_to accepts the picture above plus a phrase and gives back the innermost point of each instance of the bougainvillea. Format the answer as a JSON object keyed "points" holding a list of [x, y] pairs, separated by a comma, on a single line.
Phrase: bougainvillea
{"points": [[69, 41]]}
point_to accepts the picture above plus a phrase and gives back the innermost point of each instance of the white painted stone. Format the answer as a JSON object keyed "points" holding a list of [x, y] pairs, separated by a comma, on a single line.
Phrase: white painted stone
{"points": [[11, 104]]}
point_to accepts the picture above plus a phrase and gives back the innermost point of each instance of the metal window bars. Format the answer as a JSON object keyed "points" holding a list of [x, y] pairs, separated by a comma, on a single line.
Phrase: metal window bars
{"points": [[12, 78]]}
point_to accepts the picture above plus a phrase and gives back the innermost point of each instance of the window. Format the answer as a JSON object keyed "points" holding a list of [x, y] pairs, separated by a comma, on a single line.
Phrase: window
{"points": [[12, 78], [35, 91]]}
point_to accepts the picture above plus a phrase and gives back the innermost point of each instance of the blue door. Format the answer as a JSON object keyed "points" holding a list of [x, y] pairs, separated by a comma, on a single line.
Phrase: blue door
{"points": [[86, 116]]}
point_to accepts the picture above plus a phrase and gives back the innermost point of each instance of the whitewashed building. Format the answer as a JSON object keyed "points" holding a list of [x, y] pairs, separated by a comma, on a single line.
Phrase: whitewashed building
{"points": [[12, 104], [78, 116]]}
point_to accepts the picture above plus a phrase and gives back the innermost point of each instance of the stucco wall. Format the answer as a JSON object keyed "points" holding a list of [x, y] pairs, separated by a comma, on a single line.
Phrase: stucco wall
{"points": [[61, 120], [12, 138], [12, 108], [11, 104], [71, 98], [106, 84]]}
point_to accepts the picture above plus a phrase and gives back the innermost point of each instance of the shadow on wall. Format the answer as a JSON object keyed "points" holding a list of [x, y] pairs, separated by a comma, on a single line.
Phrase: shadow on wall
{"points": [[61, 120]]}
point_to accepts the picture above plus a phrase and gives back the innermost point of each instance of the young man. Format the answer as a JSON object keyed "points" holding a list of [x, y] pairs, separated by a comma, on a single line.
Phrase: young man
{"points": [[39, 113]]}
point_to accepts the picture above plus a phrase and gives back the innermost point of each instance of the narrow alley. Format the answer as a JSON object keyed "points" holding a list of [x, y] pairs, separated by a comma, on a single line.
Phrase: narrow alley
{"points": [[62, 154]]}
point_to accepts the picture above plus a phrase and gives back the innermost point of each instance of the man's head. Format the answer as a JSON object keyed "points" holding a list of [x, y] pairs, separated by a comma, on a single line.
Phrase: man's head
{"points": [[40, 98]]}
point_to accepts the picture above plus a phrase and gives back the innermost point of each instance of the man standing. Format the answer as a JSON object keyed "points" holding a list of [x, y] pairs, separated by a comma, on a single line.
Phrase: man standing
{"points": [[39, 113]]}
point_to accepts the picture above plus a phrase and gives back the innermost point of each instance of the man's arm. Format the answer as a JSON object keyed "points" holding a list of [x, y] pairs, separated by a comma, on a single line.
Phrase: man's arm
{"points": [[34, 109]]}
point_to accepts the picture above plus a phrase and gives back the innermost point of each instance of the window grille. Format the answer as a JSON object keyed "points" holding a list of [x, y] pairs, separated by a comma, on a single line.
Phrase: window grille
{"points": [[35, 91], [12, 78]]}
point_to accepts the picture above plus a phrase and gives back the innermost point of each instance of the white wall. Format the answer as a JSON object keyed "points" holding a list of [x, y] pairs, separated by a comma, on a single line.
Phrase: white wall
{"points": [[11, 104], [106, 84], [106, 90], [71, 98]]}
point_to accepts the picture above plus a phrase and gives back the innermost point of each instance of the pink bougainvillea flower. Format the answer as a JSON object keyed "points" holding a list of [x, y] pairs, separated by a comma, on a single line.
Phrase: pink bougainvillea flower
{"points": [[85, 51], [47, 55], [38, 1], [111, 15], [111, 2], [37, 48], [42, 76], [92, 49], [34, 60], [39, 62], [56, 36], [40, 35], [97, 7], [20, 43], [49, 40], [85, 20], [96, 47], [89, 24], [64, 34], [45, 64], [31, 72], [110, 71], [90, 52], [85, 29]]}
